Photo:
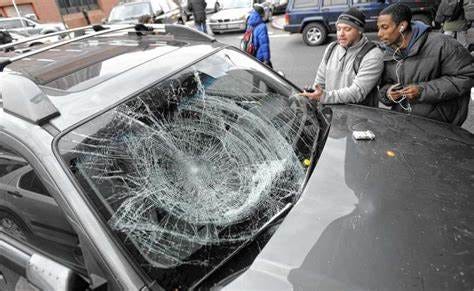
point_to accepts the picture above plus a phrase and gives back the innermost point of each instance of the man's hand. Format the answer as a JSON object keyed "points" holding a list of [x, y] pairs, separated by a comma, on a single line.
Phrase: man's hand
{"points": [[316, 95], [411, 92]]}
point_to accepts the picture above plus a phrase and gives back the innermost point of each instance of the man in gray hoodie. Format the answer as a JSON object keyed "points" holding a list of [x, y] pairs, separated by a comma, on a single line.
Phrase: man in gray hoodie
{"points": [[425, 73], [341, 78]]}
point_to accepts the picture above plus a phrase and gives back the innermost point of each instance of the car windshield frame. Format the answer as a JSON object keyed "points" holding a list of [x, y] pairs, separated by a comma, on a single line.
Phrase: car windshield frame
{"points": [[296, 107]]}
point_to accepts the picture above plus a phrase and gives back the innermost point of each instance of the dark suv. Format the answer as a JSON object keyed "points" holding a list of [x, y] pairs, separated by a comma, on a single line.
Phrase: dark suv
{"points": [[156, 158], [315, 19]]}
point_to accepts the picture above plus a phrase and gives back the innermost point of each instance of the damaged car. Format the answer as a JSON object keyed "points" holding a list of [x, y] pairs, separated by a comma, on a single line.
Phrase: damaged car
{"points": [[173, 162]]}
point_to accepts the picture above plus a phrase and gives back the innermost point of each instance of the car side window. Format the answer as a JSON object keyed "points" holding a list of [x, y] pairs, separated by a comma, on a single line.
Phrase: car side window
{"points": [[30, 181], [334, 2], [305, 4], [9, 163], [33, 217], [7, 24]]}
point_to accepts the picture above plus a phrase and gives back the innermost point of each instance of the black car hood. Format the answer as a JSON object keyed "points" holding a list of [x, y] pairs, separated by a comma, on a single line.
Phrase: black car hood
{"points": [[395, 213]]}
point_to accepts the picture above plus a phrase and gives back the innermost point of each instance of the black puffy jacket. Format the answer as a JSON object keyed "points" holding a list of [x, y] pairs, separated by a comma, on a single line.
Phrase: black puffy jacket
{"points": [[444, 70]]}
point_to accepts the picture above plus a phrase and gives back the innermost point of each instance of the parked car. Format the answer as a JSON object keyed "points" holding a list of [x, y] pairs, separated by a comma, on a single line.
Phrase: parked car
{"points": [[315, 19], [234, 14], [162, 11], [182, 163], [28, 26]]}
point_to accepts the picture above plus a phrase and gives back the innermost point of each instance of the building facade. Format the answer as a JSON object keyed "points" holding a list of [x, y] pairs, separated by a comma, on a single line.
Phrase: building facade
{"points": [[74, 13]]}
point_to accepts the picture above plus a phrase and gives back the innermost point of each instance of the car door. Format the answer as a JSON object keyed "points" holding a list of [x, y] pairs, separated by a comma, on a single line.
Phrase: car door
{"points": [[39, 210], [371, 9], [331, 9], [27, 259]]}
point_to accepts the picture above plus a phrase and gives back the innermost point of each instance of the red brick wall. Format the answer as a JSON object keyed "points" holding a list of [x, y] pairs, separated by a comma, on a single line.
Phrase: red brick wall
{"points": [[48, 11]]}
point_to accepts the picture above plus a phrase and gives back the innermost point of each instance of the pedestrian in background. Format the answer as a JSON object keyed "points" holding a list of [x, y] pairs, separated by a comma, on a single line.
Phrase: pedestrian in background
{"points": [[425, 73], [259, 33], [450, 14], [145, 19], [198, 8], [351, 66]]}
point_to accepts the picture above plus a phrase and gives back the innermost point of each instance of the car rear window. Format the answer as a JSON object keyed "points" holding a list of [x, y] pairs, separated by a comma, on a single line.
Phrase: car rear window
{"points": [[191, 169], [305, 4]]}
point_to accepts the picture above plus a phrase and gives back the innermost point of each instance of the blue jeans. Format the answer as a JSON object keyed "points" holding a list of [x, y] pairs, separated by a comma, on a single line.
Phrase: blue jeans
{"points": [[201, 26]]}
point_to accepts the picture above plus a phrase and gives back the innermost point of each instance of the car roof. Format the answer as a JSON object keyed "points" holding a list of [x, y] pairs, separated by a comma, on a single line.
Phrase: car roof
{"points": [[83, 77]]}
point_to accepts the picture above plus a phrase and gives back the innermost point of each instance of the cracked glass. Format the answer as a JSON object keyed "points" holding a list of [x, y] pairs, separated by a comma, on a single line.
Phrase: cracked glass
{"points": [[188, 171]]}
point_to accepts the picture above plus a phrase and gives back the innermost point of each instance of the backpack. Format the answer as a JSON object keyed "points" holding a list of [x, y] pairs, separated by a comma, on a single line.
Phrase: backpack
{"points": [[246, 44], [449, 10], [468, 7], [371, 99]]}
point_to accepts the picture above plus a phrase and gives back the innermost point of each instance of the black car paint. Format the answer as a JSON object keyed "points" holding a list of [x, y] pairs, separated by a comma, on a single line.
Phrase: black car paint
{"points": [[394, 213]]}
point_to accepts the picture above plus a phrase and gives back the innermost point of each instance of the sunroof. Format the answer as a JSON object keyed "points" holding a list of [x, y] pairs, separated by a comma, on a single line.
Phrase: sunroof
{"points": [[84, 64]]}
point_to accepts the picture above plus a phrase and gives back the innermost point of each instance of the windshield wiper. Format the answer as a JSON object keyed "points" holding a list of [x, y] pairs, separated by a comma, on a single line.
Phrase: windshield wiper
{"points": [[264, 227]]}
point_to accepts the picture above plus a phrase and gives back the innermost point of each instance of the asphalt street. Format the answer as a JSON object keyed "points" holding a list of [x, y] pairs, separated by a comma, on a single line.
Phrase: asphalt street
{"points": [[298, 61]]}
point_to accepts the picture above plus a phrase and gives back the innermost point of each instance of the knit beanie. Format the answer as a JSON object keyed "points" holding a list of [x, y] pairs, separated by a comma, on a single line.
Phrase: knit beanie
{"points": [[353, 17], [259, 9]]}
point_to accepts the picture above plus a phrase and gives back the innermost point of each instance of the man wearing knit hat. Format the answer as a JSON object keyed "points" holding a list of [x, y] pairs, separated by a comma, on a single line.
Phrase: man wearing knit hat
{"points": [[351, 67]]}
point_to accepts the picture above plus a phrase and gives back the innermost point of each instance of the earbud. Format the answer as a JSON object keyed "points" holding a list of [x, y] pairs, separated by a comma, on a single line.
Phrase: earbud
{"points": [[402, 28]]}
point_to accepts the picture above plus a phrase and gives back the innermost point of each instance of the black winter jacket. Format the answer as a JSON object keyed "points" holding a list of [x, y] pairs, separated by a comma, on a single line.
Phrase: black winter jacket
{"points": [[198, 7], [444, 70]]}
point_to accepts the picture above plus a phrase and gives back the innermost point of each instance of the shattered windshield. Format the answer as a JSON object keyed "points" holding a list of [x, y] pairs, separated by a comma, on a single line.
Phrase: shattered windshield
{"points": [[191, 169]]}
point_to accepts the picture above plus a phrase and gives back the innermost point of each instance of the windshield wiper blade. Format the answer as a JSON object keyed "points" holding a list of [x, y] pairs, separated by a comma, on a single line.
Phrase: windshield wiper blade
{"points": [[264, 227]]}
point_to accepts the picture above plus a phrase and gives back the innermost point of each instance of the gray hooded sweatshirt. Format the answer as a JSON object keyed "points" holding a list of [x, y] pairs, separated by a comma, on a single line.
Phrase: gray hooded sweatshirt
{"points": [[337, 76]]}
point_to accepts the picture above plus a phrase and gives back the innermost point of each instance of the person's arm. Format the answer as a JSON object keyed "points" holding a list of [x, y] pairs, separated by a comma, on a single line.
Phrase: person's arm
{"points": [[457, 76], [366, 79], [263, 44]]}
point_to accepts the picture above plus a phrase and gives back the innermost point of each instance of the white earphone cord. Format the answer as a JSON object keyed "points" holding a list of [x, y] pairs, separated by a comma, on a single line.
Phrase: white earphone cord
{"points": [[397, 69]]}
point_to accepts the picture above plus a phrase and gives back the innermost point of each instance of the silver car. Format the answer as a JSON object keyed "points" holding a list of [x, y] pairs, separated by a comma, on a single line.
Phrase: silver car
{"points": [[234, 14], [28, 26]]}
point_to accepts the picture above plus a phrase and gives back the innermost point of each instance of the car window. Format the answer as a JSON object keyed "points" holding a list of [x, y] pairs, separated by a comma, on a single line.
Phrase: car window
{"points": [[189, 169], [11, 23], [9, 162], [30, 181], [130, 11], [306, 3], [334, 2], [35, 218]]}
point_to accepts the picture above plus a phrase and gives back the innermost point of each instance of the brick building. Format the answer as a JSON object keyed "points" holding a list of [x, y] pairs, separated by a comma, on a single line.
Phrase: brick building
{"points": [[57, 10]]}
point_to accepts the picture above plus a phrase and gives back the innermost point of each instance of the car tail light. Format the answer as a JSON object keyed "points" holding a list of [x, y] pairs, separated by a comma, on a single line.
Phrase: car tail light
{"points": [[287, 19]]}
